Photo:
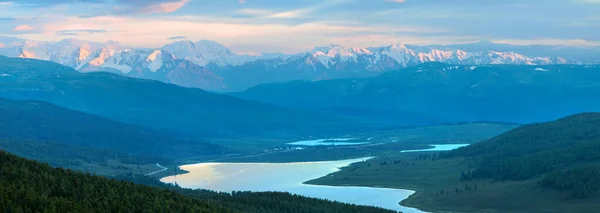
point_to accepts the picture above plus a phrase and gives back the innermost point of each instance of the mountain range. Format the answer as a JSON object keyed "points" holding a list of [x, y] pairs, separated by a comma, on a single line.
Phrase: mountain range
{"points": [[212, 66], [503, 93], [188, 113]]}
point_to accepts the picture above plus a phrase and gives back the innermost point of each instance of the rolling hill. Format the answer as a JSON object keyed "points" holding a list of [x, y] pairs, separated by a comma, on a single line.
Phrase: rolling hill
{"points": [[534, 150]]}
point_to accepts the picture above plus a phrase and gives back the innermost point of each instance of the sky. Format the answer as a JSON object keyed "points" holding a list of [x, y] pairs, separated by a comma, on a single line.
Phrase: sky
{"points": [[288, 26]]}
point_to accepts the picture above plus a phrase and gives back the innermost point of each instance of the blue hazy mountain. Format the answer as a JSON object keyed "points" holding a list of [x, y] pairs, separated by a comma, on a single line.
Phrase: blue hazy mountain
{"points": [[25, 123], [506, 93], [188, 112]]}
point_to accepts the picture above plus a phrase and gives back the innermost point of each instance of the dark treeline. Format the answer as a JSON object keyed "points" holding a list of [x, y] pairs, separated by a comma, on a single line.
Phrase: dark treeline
{"points": [[29, 186], [577, 183], [69, 156], [547, 150]]}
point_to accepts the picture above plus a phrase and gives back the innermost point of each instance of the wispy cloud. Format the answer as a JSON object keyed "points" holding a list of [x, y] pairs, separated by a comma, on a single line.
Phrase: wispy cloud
{"points": [[121, 7], [167, 7], [254, 12], [23, 28], [549, 41], [177, 37], [288, 26], [397, 1], [297, 13], [79, 31], [589, 1]]}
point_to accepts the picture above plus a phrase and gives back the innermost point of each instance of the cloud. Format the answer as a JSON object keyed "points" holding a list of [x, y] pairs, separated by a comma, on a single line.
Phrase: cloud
{"points": [[2, 45], [78, 32], [177, 37], [254, 12], [167, 7], [247, 36], [397, 1], [549, 41], [22, 28], [242, 1], [308, 10], [122, 7], [38, 3], [279, 25], [589, 1], [7, 19]]}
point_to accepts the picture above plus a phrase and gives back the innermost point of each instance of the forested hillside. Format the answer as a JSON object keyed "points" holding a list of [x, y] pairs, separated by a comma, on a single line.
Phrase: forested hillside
{"points": [[564, 153], [28, 186]]}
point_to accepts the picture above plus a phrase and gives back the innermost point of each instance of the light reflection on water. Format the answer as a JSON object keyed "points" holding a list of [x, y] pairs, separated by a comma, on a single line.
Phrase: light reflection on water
{"points": [[289, 177]]}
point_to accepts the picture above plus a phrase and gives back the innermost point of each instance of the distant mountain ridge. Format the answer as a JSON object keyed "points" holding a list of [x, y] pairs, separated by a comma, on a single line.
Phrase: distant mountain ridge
{"points": [[212, 66], [40, 121], [505, 93], [191, 113]]}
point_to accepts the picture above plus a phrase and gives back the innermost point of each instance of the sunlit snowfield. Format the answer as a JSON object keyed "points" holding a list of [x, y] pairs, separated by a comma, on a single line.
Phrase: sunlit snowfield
{"points": [[289, 177]]}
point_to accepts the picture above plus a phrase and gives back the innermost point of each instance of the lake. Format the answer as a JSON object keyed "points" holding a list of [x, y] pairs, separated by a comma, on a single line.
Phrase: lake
{"points": [[289, 177], [327, 142], [439, 147]]}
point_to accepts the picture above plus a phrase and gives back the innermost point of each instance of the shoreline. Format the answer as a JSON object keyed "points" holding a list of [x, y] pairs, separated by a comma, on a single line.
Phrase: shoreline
{"points": [[209, 169]]}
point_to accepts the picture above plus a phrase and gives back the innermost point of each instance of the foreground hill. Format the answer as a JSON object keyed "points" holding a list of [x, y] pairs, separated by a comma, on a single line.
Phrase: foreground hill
{"points": [[547, 167], [28, 186], [507, 93], [193, 113], [568, 148]]}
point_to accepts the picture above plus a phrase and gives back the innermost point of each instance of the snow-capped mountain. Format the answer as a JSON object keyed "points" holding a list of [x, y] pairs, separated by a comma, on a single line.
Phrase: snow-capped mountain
{"points": [[204, 52], [112, 57], [212, 66]]}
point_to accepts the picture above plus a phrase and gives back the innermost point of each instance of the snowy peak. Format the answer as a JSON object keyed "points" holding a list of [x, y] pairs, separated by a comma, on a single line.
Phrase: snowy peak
{"points": [[154, 55], [210, 65], [204, 52], [213, 47]]}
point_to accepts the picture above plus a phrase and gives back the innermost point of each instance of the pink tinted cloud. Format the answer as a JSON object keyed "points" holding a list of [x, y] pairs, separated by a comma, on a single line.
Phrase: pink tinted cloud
{"points": [[242, 1], [22, 28], [164, 7]]}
